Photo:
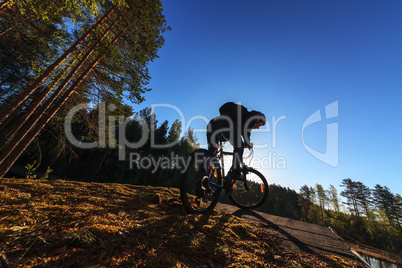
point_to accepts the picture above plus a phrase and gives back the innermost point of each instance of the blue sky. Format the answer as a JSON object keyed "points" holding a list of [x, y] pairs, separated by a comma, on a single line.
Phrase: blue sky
{"points": [[290, 59]]}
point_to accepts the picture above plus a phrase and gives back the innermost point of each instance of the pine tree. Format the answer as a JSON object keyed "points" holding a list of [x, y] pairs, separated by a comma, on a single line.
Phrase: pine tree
{"points": [[305, 201], [351, 195], [333, 198], [322, 200], [386, 201], [114, 53], [364, 199]]}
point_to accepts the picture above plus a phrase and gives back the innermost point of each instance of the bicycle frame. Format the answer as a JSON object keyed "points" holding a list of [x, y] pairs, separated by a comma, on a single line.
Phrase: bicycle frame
{"points": [[201, 185], [222, 171]]}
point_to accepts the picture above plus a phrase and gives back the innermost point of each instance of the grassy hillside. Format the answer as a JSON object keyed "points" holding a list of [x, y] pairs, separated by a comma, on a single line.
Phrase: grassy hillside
{"points": [[75, 224]]}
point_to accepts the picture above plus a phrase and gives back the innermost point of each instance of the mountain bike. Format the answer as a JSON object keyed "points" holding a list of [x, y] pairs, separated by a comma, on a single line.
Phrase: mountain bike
{"points": [[204, 179]]}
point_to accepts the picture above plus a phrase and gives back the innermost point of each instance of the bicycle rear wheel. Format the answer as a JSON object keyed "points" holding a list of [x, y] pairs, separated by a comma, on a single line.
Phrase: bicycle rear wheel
{"points": [[198, 190], [251, 191]]}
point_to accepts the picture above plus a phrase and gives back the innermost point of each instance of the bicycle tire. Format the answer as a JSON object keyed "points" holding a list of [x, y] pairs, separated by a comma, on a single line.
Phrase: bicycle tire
{"points": [[196, 193], [256, 194]]}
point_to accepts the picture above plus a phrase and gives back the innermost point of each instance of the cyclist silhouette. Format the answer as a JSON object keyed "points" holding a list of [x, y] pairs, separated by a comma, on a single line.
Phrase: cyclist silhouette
{"points": [[234, 123]]}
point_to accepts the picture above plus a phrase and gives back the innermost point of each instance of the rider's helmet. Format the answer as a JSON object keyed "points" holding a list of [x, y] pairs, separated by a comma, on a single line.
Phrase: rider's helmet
{"points": [[258, 118]]}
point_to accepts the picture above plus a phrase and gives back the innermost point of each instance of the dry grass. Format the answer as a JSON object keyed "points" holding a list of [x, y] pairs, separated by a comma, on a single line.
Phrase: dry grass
{"points": [[76, 224]]}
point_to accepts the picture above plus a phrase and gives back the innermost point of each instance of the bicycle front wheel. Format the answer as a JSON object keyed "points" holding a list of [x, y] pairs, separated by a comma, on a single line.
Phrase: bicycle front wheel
{"points": [[199, 191], [251, 191]]}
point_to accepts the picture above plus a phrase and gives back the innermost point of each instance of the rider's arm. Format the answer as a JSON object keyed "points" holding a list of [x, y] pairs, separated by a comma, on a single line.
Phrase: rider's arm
{"points": [[247, 143]]}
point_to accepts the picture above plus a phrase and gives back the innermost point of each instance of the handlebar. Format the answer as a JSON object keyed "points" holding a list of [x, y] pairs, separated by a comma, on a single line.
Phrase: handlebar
{"points": [[231, 153]]}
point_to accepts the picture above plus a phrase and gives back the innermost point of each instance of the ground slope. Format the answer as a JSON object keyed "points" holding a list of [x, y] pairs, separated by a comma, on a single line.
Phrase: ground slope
{"points": [[297, 236], [76, 224]]}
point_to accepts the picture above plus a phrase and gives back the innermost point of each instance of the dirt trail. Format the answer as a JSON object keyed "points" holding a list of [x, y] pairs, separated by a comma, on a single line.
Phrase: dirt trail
{"points": [[297, 236]]}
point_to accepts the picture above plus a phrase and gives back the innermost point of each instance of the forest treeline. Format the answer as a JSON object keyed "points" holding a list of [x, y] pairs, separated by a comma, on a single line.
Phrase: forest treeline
{"points": [[368, 216], [159, 165]]}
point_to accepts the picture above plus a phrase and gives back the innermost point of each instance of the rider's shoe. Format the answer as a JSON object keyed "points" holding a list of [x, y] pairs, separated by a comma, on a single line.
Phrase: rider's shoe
{"points": [[228, 187]]}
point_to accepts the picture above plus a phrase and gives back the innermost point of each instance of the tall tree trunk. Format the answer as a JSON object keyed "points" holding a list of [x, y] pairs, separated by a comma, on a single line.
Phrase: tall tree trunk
{"points": [[3, 6], [23, 118], [44, 119], [25, 140], [13, 142], [356, 209], [12, 27], [30, 89]]}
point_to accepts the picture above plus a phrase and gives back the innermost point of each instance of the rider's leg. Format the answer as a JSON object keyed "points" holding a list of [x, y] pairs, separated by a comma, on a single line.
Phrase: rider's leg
{"points": [[211, 137], [237, 163]]}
